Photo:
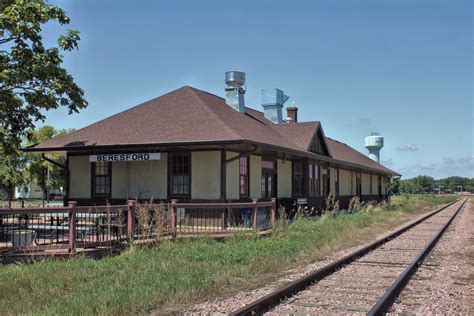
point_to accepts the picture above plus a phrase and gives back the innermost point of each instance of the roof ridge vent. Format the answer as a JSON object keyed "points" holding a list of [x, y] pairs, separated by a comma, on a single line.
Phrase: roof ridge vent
{"points": [[272, 102]]}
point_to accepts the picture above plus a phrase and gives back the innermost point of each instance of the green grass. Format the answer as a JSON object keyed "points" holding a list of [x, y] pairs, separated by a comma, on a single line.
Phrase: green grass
{"points": [[175, 275]]}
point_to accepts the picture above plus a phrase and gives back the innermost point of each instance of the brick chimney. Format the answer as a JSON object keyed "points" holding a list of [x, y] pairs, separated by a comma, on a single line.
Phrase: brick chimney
{"points": [[292, 113]]}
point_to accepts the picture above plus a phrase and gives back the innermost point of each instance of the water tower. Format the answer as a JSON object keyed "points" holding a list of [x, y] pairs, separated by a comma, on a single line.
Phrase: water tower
{"points": [[374, 143]]}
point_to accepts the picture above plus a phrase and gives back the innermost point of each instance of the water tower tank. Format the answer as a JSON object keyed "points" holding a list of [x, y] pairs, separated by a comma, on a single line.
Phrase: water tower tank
{"points": [[374, 143]]}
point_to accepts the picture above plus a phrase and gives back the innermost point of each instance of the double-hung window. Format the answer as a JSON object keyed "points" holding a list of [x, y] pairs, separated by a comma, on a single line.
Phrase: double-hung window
{"points": [[313, 179], [244, 176], [180, 174], [101, 183]]}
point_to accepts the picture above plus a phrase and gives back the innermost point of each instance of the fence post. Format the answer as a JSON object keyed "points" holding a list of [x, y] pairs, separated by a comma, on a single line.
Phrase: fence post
{"points": [[131, 207], [254, 215], [72, 226], [273, 213], [173, 218]]}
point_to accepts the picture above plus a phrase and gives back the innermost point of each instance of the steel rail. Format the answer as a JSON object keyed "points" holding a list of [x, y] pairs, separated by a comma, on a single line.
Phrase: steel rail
{"points": [[398, 285], [271, 300]]}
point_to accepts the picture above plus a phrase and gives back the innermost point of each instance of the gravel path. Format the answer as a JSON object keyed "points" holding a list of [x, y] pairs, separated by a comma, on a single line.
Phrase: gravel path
{"points": [[227, 305], [444, 283]]}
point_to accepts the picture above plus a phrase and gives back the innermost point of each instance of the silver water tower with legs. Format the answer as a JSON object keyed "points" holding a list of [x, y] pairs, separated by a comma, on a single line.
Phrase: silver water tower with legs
{"points": [[373, 143]]}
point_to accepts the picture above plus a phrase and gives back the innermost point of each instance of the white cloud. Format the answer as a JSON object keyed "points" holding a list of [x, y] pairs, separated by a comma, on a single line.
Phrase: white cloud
{"points": [[407, 147], [361, 122], [388, 162], [449, 166]]}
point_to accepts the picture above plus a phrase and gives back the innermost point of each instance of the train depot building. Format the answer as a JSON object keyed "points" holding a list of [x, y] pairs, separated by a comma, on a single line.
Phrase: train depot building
{"points": [[194, 146]]}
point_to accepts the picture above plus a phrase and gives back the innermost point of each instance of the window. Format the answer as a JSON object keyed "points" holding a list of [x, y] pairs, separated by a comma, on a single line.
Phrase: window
{"points": [[180, 174], [244, 176], [313, 179], [268, 164], [268, 178], [337, 181], [101, 172], [298, 178]]}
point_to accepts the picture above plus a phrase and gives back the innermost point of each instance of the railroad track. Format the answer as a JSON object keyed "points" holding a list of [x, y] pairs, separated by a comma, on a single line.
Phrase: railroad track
{"points": [[365, 281]]}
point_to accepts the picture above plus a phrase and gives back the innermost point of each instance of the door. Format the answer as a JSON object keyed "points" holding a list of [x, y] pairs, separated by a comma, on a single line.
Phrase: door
{"points": [[268, 185]]}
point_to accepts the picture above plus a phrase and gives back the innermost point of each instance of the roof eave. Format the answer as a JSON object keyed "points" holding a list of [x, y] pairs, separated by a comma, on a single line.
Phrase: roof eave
{"points": [[127, 146], [302, 153]]}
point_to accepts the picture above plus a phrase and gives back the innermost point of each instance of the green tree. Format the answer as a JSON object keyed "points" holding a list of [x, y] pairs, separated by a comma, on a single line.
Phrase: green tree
{"points": [[32, 80], [424, 183], [410, 186], [394, 187], [11, 173], [452, 183], [37, 167]]}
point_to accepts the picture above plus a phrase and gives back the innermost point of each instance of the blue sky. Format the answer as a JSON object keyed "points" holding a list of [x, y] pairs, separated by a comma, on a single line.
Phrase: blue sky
{"points": [[401, 68]]}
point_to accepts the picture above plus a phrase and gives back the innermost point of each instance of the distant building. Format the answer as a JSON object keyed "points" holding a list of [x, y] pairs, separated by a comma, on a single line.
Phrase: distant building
{"points": [[192, 145], [33, 191]]}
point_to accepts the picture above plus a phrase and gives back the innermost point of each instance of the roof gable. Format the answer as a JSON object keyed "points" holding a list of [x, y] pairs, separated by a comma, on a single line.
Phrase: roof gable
{"points": [[309, 136], [318, 143]]}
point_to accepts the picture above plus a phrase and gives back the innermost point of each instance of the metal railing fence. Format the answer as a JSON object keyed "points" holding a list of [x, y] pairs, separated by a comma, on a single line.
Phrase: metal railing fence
{"points": [[71, 227]]}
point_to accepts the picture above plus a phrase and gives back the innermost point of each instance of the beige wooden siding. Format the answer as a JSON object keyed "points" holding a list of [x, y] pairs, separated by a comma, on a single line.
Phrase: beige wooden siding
{"points": [[365, 184], [206, 175], [255, 177], [232, 177], [284, 179], [80, 177], [345, 182], [120, 180], [375, 184], [140, 179]]}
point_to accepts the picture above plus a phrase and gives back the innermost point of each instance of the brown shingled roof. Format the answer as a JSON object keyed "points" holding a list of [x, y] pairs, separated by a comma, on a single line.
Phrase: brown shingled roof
{"points": [[183, 115], [344, 152], [189, 115]]}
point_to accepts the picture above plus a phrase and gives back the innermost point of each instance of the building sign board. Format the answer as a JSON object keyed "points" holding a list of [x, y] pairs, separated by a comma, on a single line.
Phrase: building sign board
{"points": [[301, 201], [125, 157]]}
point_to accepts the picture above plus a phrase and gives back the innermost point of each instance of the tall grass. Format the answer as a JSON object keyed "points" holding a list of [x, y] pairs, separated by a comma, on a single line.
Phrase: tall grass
{"points": [[174, 275]]}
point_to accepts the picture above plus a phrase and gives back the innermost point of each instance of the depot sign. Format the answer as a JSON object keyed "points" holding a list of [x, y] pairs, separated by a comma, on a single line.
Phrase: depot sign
{"points": [[125, 157]]}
